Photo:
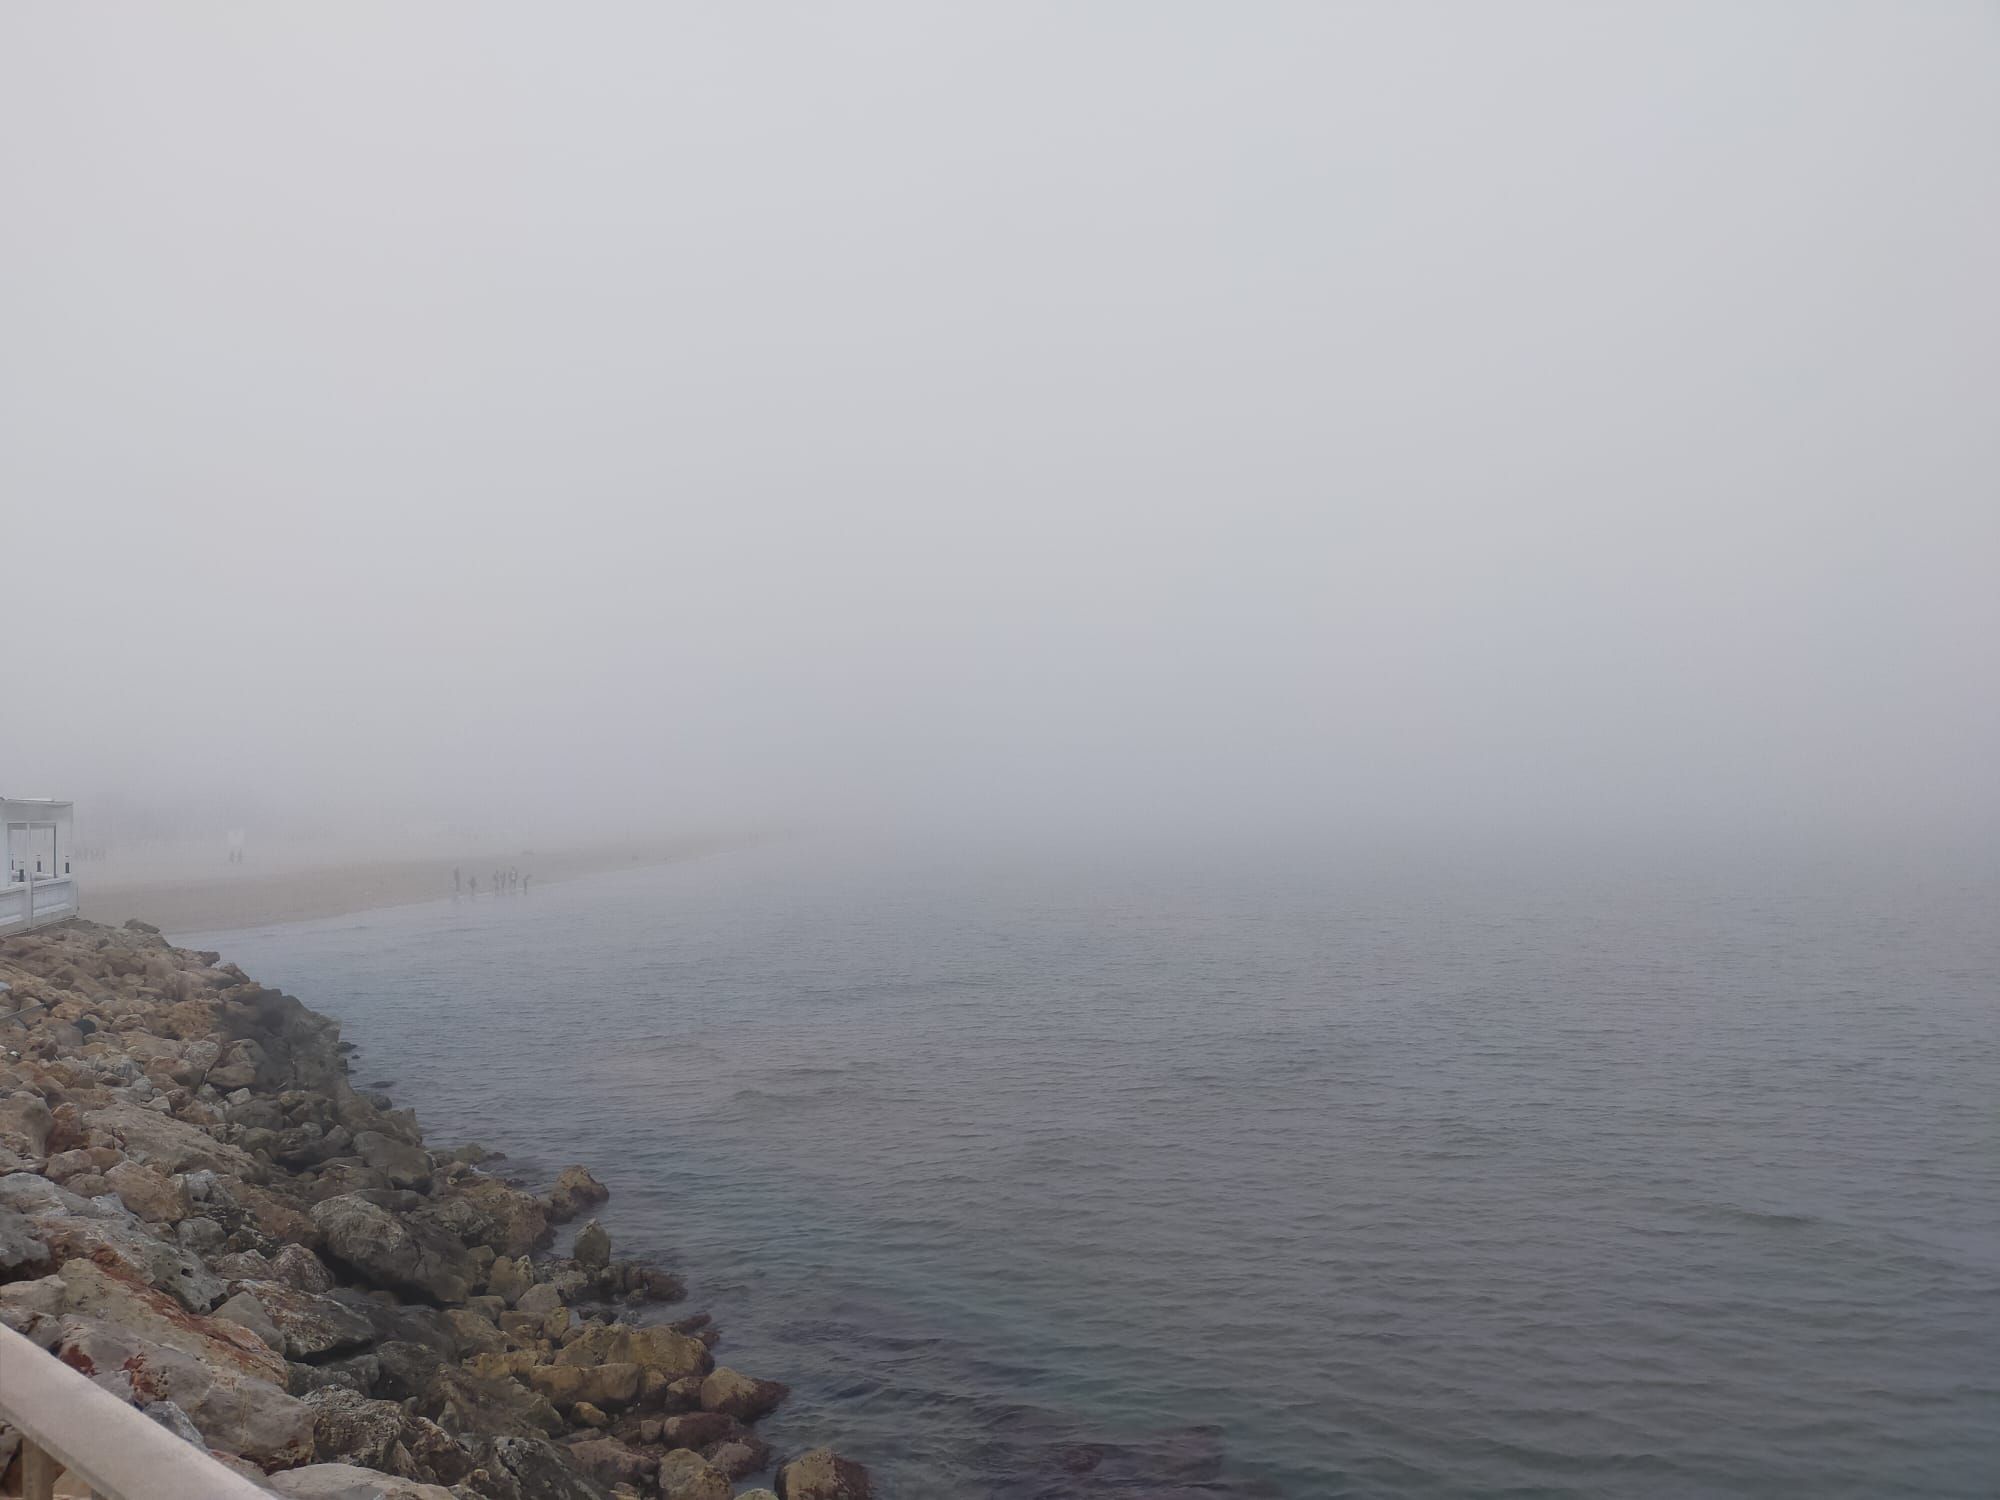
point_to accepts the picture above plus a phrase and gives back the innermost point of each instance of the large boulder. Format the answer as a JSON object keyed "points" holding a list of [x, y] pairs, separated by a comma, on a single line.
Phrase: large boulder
{"points": [[350, 1428], [697, 1429], [606, 1385], [275, 1217], [561, 1385], [822, 1474], [686, 1475], [475, 1333], [610, 1462], [575, 1190], [114, 1295], [509, 1278], [405, 1166], [247, 1313], [25, 1123], [740, 1454], [655, 1347], [521, 1468], [238, 1068], [506, 1219], [592, 1250], [347, 1482], [398, 1251], [539, 1300], [76, 1228], [309, 1326], [740, 1396], [156, 1140], [298, 1267], [234, 1412], [613, 1384], [153, 1196], [22, 1251]]}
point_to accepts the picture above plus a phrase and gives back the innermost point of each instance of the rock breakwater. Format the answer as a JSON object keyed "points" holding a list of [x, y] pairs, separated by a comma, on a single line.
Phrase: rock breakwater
{"points": [[199, 1212]]}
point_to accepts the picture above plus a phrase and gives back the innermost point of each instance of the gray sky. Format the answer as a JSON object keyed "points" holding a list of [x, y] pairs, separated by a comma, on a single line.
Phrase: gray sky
{"points": [[1532, 414]]}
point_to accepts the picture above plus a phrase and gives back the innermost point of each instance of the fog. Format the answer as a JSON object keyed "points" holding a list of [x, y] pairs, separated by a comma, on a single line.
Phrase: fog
{"points": [[1028, 416]]}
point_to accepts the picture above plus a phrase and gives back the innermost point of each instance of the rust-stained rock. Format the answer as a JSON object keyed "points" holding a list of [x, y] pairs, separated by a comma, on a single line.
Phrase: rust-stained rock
{"points": [[234, 1412]]}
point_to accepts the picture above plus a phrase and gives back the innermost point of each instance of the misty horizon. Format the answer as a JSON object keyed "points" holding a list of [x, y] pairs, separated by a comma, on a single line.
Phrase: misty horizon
{"points": [[1318, 419]]}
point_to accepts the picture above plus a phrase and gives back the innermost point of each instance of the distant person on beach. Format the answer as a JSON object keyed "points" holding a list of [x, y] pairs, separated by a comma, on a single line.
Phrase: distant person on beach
{"points": [[475, 885]]}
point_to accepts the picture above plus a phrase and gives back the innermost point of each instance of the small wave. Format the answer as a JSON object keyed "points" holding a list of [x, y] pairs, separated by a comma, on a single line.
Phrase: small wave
{"points": [[1733, 1213]]}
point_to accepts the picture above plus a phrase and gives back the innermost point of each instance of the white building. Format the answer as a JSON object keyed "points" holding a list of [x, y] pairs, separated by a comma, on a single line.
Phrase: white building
{"points": [[38, 887]]}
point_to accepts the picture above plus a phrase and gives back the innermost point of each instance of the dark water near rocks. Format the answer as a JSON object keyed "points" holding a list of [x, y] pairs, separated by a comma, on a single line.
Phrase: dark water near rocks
{"points": [[1233, 1177]]}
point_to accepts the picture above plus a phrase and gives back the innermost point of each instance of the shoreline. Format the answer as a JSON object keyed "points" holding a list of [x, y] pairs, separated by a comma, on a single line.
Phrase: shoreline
{"points": [[199, 1211], [235, 898]]}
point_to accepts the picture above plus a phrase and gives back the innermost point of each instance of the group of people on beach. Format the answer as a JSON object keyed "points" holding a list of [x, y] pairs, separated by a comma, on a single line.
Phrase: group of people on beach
{"points": [[509, 882]]}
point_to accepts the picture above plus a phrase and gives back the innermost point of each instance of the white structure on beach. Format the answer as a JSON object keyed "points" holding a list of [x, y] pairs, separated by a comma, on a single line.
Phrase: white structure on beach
{"points": [[38, 887]]}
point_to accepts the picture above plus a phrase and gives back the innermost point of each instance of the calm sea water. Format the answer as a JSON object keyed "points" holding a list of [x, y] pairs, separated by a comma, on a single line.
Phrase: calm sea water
{"points": [[1264, 1177]]}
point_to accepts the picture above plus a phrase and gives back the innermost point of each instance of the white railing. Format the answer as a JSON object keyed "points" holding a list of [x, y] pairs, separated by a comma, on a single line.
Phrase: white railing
{"points": [[36, 901], [68, 1423]]}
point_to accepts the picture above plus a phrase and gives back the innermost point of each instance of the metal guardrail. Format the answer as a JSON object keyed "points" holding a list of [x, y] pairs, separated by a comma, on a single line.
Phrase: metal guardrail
{"points": [[67, 1423]]}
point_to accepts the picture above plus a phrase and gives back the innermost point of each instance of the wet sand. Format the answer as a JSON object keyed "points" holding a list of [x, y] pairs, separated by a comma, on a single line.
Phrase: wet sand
{"points": [[255, 895]]}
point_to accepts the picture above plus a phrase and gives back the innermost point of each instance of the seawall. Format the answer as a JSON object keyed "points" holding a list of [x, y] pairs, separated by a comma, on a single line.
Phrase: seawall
{"points": [[199, 1211]]}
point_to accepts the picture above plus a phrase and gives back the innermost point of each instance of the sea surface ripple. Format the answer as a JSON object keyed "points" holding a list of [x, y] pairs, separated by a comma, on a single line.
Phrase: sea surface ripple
{"points": [[1262, 1177]]}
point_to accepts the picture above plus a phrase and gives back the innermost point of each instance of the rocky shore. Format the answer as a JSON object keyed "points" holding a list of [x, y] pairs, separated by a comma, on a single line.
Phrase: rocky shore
{"points": [[198, 1211]]}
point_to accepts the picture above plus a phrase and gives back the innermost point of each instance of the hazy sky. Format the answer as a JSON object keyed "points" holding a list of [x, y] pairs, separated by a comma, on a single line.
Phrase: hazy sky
{"points": [[1519, 413]]}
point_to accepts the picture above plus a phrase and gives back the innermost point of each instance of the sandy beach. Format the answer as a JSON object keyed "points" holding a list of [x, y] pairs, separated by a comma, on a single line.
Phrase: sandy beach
{"points": [[212, 895]]}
